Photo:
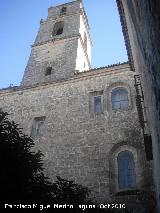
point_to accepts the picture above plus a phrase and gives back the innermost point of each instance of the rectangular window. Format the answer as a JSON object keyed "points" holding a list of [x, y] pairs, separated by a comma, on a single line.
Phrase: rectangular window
{"points": [[119, 98], [97, 104], [37, 127]]}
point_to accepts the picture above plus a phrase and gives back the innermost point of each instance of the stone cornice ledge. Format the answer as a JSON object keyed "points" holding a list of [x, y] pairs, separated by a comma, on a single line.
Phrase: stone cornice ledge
{"points": [[56, 38], [78, 76]]}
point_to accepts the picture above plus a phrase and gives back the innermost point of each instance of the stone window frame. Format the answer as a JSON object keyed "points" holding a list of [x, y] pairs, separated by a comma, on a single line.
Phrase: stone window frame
{"points": [[92, 94], [109, 94], [36, 120], [113, 167]]}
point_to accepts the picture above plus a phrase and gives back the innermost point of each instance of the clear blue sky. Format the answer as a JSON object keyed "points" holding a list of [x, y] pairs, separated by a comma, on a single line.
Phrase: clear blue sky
{"points": [[19, 24]]}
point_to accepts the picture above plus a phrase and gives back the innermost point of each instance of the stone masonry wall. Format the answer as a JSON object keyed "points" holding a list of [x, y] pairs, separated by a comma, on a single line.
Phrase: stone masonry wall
{"points": [[71, 27], [52, 54], [77, 143], [64, 53], [56, 51]]}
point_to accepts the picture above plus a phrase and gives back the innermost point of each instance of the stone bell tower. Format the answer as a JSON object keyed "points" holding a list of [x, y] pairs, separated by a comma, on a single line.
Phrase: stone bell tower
{"points": [[62, 45]]}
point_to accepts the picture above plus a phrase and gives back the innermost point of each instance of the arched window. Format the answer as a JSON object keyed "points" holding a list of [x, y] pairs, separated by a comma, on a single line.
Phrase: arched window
{"points": [[126, 170], [58, 28], [119, 98]]}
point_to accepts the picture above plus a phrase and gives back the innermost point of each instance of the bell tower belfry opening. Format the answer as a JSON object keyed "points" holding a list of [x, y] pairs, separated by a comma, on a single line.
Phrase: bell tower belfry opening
{"points": [[62, 45]]}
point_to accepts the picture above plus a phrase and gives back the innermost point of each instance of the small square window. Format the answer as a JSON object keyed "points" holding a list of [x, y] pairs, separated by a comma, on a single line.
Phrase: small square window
{"points": [[48, 71], [97, 104]]}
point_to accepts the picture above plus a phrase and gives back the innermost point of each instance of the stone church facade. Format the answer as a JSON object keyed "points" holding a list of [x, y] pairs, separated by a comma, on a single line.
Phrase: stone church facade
{"points": [[84, 120]]}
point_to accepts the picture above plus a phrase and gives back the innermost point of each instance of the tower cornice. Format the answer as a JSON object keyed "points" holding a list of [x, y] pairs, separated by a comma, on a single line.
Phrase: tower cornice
{"points": [[62, 5], [52, 40]]}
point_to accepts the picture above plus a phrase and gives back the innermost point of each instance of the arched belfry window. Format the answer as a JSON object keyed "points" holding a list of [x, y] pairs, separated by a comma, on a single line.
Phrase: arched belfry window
{"points": [[58, 28], [63, 11], [119, 98], [126, 170]]}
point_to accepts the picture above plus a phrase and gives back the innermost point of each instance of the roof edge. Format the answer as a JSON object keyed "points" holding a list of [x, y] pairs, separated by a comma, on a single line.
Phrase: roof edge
{"points": [[125, 33], [61, 5], [104, 67], [18, 88]]}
